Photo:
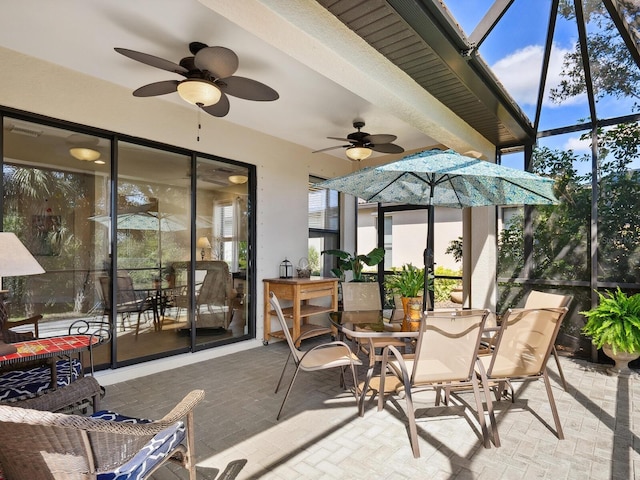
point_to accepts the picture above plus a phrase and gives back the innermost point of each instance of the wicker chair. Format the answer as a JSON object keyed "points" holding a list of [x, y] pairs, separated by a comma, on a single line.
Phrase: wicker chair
{"points": [[44, 445]]}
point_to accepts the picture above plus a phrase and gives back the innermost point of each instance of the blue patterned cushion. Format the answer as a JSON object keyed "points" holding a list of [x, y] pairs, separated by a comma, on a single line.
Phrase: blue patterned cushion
{"points": [[20, 384], [154, 452]]}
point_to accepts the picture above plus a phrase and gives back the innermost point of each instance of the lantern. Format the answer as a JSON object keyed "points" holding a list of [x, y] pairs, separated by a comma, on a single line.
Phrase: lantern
{"points": [[286, 269]]}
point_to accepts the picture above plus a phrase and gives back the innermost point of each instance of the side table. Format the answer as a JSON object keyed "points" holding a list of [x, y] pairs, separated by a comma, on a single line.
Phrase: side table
{"points": [[299, 291]]}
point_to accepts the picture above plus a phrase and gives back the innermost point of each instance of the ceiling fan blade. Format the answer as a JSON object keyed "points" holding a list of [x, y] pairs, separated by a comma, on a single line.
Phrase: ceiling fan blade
{"points": [[157, 88], [220, 62], [341, 139], [387, 148], [330, 148], [379, 139], [219, 109], [152, 61], [249, 89]]}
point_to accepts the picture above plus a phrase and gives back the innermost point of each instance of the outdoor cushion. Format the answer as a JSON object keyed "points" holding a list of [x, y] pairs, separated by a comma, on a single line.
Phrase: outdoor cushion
{"points": [[150, 455], [20, 384]]}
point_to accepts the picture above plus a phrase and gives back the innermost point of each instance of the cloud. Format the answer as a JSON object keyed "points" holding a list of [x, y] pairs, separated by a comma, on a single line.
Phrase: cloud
{"points": [[577, 145], [519, 72]]}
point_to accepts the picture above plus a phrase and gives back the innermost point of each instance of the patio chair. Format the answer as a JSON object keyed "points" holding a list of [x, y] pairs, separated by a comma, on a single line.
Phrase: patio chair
{"points": [[7, 334], [522, 349], [445, 359], [366, 296], [334, 354], [128, 300], [214, 298], [537, 299], [47, 445]]}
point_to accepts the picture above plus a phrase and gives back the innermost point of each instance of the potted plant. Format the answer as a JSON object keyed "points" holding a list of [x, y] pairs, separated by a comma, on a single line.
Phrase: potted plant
{"points": [[355, 263], [409, 284], [614, 326]]}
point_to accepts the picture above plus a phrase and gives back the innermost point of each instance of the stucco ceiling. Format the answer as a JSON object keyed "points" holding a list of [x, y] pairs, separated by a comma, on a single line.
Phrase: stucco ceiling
{"points": [[325, 74]]}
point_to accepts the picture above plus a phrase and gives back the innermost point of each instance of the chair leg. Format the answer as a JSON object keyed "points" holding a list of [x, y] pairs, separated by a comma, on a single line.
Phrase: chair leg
{"points": [[480, 411], [484, 382], [282, 374], [190, 460], [295, 374], [138, 324], [560, 372], [413, 429], [552, 403]]}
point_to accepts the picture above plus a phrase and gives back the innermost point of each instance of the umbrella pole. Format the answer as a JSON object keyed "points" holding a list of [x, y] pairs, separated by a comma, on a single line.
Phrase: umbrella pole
{"points": [[428, 263]]}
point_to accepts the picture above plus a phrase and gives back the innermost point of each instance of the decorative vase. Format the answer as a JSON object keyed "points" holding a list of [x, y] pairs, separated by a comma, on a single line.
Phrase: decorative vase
{"points": [[412, 313], [622, 360]]}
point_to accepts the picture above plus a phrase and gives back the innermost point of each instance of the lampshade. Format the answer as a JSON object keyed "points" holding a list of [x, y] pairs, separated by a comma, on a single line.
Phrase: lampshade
{"points": [[85, 154], [15, 259], [358, 153], [238, 179], [199, 92], [203, 242]]}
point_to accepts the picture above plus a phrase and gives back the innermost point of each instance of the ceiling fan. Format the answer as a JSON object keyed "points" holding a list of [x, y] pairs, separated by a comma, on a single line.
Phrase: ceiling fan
{"points": [[208, 79], [360, 144]]}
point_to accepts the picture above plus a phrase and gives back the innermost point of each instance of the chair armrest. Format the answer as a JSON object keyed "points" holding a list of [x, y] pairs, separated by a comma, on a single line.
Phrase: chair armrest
{"points": [[309, 333], [183, 408], [27, 321], [107, 426], [85, 388]]}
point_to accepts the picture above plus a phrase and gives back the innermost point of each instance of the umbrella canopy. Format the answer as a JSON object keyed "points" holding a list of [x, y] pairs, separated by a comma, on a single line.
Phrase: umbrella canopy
{"points": [[447, 179], [142, 221]]}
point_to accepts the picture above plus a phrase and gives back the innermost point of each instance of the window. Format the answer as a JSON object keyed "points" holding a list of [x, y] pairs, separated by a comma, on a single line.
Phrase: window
{"points": [[324, 227]]}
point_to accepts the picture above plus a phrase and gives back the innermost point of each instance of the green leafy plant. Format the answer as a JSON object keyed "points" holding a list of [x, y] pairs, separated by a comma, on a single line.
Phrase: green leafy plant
{"points": [[615, 322], [407, 282], [355, 263], [444, 286]]}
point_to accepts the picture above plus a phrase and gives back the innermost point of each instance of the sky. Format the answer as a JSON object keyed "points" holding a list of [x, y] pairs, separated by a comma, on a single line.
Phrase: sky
{"points": [[514, 51]]}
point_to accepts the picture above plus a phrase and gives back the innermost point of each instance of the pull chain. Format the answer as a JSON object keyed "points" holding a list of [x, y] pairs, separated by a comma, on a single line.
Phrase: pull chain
{"points": [[199, 124]]}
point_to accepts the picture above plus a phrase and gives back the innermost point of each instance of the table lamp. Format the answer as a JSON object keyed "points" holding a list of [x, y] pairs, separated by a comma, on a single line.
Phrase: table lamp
{"points": [[202, 243], [15, 261]]}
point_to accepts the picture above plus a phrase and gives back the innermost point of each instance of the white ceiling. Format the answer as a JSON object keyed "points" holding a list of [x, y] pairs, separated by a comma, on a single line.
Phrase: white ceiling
{"points": [[80, 35]]}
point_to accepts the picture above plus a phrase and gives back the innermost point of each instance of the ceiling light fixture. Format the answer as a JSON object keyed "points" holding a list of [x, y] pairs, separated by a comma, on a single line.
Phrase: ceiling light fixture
{"points": [[198, 91], [100, 162], [238, 179], [84, 154], [358, 153]]}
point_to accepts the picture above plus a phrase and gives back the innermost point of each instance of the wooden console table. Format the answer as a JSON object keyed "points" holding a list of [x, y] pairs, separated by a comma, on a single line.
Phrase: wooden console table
{"points": [[299, 291]]}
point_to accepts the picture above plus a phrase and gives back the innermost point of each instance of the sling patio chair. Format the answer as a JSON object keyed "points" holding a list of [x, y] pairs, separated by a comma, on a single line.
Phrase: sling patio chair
{"points": [[128, 299], [334, 354], [366, 296], [522, 348], [445, 359], [537, 299], [43, 445]]}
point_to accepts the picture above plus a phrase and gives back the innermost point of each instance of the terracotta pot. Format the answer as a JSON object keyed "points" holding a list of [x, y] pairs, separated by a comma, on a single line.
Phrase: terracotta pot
{"points": [[456, 295], [622, 360]]}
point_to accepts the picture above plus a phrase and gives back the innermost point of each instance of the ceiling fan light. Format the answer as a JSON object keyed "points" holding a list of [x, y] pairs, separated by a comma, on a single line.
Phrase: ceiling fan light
{"points": [[199, 92], [84, 154], [238, 179], [358, 153]]}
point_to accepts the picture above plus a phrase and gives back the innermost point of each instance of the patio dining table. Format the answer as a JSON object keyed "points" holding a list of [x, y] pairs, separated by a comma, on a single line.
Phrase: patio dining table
{"points": [[368, 325]]}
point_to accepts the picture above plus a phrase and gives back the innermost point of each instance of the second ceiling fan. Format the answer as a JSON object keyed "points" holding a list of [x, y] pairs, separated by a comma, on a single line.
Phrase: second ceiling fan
{"points": [[361, 144]]}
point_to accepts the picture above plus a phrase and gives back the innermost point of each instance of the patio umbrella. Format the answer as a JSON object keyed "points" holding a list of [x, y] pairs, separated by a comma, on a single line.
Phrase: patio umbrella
{"points": [[444, 178], [145, 220]]}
